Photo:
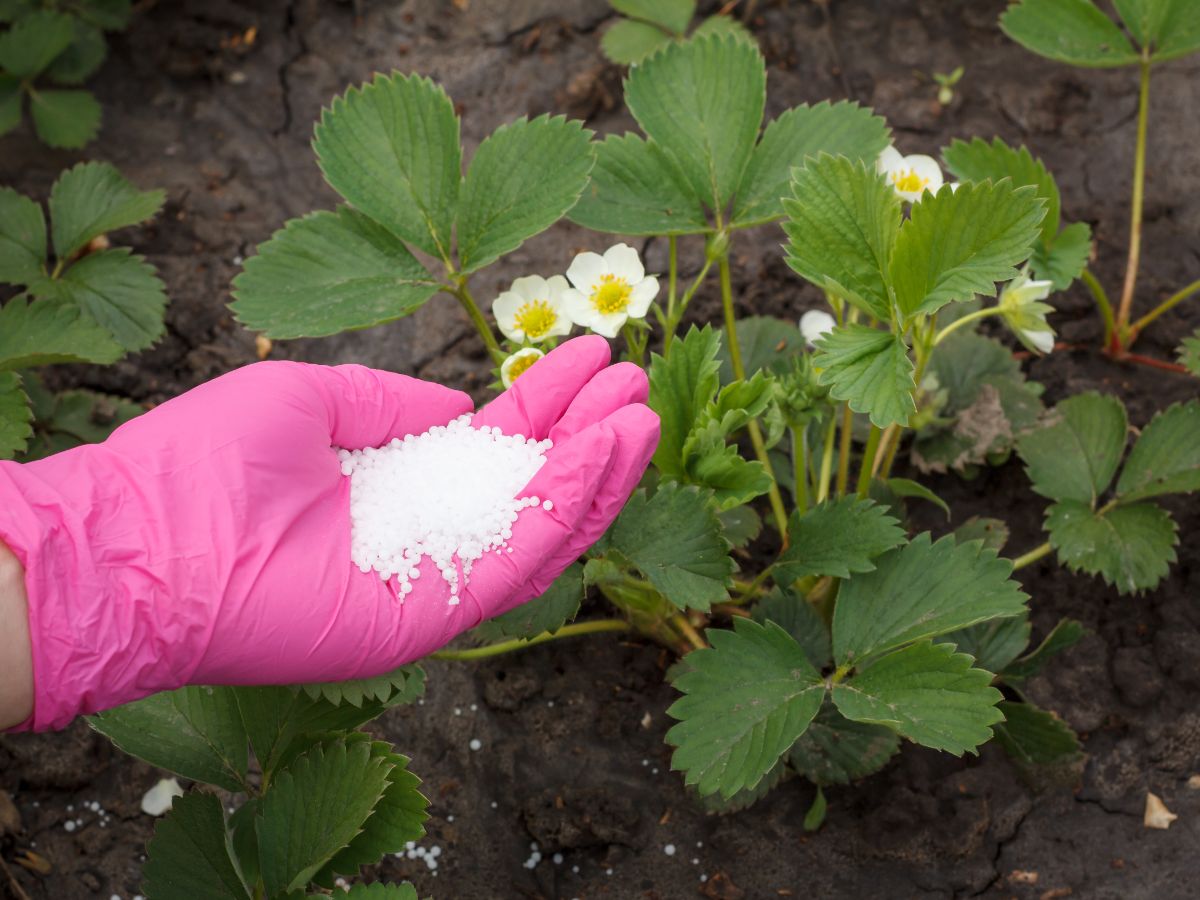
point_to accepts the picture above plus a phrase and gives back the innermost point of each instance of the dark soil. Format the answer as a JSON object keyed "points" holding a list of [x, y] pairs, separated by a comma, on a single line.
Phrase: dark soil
{"points": [[572, 733]]}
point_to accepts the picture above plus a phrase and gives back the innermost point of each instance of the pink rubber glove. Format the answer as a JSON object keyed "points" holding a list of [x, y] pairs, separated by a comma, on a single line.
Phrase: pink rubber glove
{"points": [[208, 541]]}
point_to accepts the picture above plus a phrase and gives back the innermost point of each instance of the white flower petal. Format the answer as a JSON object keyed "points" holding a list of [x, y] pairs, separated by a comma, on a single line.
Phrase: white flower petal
{"points": [[506, 368], [608, 325], [641, 296], [504, 308], [157, 801], [815, 323], [577, 307], [954, 186], [1042, 340], [927, 169], [556, 284], [623, 262], [888, 159], [531, 287], [585, 270]]}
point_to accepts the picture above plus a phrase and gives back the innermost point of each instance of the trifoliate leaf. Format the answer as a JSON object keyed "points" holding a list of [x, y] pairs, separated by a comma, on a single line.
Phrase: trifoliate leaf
{"points": [[682, 385], [733, 480], [195, 732], [556, 607], [980, 161], [747, 797], [637, 189], [724, 25], [326, 273], [629, 41], [1070, 31], [1169, 28], [51, 331], [314, 808], [65, 119], [792, 612], [671, 15], [767, 344], [1166, 457], [523, 178], [15, 416], [1130, 547], [1033, 736], [837, 537], [869, 369], [1063, 259], [33, 42], [70, 418], [702, 101], [391, 148], [747, 700], [1065, 634], [92, 199], [82, 57], [922, 590], [1189, 353], [927, 693], [842, 222], [675, 538], [1075, 452], [837, 750], [11, 97], [959, 243], [120, 291], [381, 891], [838, 129], [402, 685], [22, 238], [993, 644], [190, 853]]}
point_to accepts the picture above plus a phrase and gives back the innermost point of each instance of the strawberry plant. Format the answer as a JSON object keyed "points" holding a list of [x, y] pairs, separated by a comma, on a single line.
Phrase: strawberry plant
{"points": [[1079, 33], [647, 25]]}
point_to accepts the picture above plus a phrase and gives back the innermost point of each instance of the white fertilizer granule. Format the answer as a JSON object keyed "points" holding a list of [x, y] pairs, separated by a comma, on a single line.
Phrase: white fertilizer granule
{"points": [[449, 494]]}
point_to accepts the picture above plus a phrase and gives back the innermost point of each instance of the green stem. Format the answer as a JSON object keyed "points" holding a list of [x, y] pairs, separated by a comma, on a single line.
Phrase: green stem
{"points": [[867, 466], [463, 293], [689, 633], [739, 372], [1032, 556], [843, 472], [574, 630], [675, 316], [827, 458], [841, 672], [965, 320], [748, 591], [1102, 303], [1170, 303], [800, 467], [672, 271], [635, 344], [1135, 221]]}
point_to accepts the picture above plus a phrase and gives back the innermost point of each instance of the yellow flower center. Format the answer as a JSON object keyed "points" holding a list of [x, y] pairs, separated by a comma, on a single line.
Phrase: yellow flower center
{"points": [[611, 295], [521, 365], [908, 180], [535, 318]]}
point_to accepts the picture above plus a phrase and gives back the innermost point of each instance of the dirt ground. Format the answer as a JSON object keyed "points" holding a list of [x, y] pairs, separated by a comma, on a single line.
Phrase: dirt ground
{"points": [[572, 754]]}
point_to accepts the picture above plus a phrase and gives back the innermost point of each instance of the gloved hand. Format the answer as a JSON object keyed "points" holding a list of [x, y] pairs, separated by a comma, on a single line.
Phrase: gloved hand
{"points": [[208, 541]]}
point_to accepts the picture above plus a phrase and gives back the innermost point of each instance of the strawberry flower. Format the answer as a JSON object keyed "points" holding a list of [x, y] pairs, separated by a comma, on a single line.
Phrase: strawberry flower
{"points": [[608, 290], [518, 364], [532, 309], [910, 176]]}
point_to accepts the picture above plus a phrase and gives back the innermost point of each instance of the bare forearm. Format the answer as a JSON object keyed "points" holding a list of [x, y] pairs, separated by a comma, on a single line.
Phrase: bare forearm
{"points": [[16, 658]]}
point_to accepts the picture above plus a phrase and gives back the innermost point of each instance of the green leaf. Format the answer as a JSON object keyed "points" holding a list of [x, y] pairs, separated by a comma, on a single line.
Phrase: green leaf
{"points": [[922, 590], [815, 817], [906, 488], [195, 732], [1070, 31], [11, 10], [992, 532], [22, 238], [381, 891], [740, 525], [390, 147], [702, 101], [314, 808], [110, 15], [120, 291], [1189, 353], [747, 700], [981, 161], [1065, 634], [870, 370], [243, 840], [837, 750], [732, 479], [33, 42], [82, 57], [327, 273], [65, 119], [681, 387], [836, 538], [191, 854], [92, 199], [959, 243], [767, 344], [12, 95], [70, 418], [747, 797], [993, 644], [842, 225], [1171, 28], [675, 538], [722, 25], [549, 612], [1033, 736], [1130, 547], [637, 189], [397, 818], [1166, 457], [507, 198], [629, 41], [839, 129], [1065, 258], [402, 685], [672, 15], [15, 416], [49, 331], [1076, 451], [927, 693], [792, 612]]}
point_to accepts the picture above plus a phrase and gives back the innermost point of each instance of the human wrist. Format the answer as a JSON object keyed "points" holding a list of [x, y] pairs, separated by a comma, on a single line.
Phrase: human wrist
{"points": [[16, 657]]}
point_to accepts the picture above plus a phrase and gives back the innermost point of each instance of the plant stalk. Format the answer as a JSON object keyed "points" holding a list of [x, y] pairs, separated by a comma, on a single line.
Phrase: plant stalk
{"points": [[867, 467], [1122, 336], [675, 311], [1102, 303], [827, 458], [1032, 556], [843, 472], [1170, 303], [965, 320], [463, 293], [574, 630], [800, 467]]}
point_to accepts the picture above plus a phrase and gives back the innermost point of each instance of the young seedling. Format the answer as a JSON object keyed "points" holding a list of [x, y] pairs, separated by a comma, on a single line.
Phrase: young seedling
{"points": [[647, 25], [946, 82], [1077, 32], [81, 300], [62, 44]]}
